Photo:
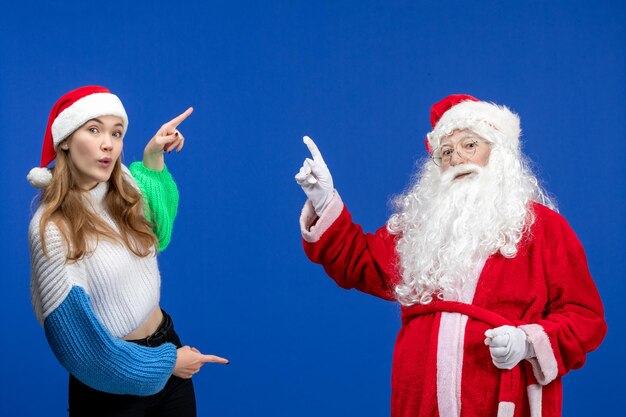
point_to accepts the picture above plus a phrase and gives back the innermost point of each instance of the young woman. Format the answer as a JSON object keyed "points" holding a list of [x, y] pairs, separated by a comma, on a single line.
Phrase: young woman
{"points": [[95, 283]]}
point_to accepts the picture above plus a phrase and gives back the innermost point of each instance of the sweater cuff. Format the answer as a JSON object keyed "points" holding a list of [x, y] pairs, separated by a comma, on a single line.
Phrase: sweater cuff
{"points": [[312, 226], [139, 168], [545, 367]]}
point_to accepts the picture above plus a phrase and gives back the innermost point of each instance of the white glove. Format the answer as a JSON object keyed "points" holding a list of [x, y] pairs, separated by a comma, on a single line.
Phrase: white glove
{"points": [[508, 346], [315, 179]]}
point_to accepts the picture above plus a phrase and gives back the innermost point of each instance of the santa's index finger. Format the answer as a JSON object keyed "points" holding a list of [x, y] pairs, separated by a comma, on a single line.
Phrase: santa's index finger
{"points": [[315, 152], [172, 124]]}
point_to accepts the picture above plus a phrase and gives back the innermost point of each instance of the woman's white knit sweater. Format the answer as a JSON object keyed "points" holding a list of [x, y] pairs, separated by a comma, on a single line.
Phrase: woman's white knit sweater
{"points": [[123, 288]]}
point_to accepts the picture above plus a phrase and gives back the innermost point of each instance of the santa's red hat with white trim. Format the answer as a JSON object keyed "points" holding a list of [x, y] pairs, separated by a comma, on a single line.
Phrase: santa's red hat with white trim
{"points": [[72, 111], [493, 122]]}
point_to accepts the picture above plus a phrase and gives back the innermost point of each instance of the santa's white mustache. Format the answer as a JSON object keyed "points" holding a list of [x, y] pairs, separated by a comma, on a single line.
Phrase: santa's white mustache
{"points": [[460, 171]]}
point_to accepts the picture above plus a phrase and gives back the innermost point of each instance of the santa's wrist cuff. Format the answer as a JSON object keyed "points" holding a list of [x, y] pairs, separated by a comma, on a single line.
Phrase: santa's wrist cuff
{"points": [[313, 226], [544, 364]]}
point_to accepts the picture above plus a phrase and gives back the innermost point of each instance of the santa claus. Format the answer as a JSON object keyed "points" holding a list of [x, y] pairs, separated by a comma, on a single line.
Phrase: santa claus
{"points": [[496, 296]]}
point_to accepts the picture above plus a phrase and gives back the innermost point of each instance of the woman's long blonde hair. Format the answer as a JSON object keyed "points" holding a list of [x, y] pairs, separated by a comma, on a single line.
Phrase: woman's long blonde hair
{"points": [[65, 205]]}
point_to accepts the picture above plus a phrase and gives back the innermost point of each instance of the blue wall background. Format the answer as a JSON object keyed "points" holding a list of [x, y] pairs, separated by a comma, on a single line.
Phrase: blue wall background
{"points": [[357, 76]]}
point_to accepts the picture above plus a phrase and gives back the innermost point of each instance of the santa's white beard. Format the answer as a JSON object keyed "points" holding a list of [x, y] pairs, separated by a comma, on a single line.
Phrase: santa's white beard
{"points": [[450, 224]]}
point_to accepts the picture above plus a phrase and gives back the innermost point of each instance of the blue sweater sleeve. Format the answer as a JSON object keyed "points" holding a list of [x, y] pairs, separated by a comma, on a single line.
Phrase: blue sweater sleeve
{"points": [[86, 349]]}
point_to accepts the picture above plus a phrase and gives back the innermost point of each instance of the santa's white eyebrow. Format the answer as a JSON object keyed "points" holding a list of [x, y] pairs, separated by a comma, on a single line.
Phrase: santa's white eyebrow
{"points": [[467, 136]]}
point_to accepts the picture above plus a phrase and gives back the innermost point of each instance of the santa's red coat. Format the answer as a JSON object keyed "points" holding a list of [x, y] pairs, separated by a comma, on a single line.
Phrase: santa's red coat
{"points": [[546, 289]]}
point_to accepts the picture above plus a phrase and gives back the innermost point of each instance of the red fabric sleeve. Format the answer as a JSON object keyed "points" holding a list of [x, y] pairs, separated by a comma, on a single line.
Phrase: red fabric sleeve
{"points": [[574, 316], [354, 259]]}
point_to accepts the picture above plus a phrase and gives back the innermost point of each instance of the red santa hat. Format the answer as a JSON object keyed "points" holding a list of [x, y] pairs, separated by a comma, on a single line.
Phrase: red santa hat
{"points": [[72, 111], [494, 123]]}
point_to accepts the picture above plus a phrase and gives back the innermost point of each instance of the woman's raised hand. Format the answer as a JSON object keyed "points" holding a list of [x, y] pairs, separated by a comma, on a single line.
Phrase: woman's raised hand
{"points": [[166, 139]]}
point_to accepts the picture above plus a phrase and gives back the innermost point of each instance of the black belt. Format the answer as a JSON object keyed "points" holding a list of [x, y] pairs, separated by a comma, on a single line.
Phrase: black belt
{"points": [[163, 334]]}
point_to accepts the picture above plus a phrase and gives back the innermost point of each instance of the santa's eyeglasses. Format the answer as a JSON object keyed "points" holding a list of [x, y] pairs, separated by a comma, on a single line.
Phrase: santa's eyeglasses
{"points": [[465, 149]]}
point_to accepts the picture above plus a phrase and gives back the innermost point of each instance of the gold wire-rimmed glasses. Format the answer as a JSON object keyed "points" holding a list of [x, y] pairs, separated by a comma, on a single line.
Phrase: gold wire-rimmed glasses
{"points": [[465, 149]]}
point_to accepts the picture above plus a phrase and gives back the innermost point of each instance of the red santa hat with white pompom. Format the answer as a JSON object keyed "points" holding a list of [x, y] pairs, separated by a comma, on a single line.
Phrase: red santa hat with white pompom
{"points": [[494, 123], [68, 114]]}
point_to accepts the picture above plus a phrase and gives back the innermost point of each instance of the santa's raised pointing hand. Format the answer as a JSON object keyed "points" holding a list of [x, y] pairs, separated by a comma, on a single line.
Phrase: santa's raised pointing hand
{"points": [[315, 179]]}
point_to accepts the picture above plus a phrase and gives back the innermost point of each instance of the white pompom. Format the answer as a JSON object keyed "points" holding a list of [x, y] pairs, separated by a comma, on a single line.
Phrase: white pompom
{"points": [[39, 177]]}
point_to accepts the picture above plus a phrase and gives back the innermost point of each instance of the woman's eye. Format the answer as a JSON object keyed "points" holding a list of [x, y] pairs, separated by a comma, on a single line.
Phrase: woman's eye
{"points": [[93, 129], [117, 134]]}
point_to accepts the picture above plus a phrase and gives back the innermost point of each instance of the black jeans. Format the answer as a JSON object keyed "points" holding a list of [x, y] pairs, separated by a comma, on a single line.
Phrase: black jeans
{"points": [[176, 399]]}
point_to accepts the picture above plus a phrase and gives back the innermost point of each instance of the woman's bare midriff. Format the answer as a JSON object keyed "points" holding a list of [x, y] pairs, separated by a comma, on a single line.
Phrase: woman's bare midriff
{"points": [[148, 327]]}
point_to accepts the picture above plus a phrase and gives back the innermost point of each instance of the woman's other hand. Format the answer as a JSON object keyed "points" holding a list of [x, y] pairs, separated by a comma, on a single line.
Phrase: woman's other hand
{"points": [[189, 360]]}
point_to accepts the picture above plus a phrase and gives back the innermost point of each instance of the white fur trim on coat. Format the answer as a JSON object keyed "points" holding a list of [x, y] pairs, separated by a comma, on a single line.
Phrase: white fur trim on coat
{"points": [[450, 343], [312, 233], [535, 393], [506, 409], [545, 367]]}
